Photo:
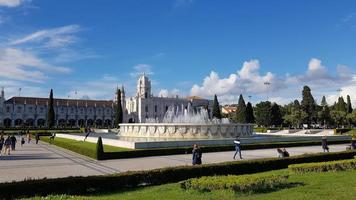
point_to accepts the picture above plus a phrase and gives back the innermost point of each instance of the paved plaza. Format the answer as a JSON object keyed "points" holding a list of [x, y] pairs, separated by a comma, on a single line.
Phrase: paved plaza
{"points": [[44, 160]]}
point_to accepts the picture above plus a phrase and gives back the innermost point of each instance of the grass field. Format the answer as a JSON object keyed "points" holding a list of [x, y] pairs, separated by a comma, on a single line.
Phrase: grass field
{"points": [[329, 185], [81, 147]]}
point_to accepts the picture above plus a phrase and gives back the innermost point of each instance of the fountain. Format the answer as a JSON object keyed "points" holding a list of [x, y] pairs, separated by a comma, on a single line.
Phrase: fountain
{"points": [[181, 122]]}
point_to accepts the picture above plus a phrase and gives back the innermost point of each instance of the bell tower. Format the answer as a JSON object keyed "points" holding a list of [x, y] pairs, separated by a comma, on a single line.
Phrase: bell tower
{"points": [[143, 87]]}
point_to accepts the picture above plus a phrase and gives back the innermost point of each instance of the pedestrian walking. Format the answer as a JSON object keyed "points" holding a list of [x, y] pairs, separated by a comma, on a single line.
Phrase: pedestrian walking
{"points": [[28, 136], [13, 142], [2, 141], [37, 138], [87, 133], [237, 143], [285, 153], [280, 153], [7, 144], [22, 141], [197, 155], [324, 144]]}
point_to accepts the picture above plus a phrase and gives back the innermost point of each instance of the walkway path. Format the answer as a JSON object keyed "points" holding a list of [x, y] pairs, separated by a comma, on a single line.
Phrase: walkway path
{"points": [[44, 160]]}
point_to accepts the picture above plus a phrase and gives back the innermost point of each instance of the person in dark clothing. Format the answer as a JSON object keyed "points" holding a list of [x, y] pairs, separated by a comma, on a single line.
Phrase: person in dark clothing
{"points": [[2, 141], [13, 142], [87, 133], [197, 154], [237, 143], [353, 144], [22, 141], [7, 144], [285, 153], [37, 138], [324, 144]]}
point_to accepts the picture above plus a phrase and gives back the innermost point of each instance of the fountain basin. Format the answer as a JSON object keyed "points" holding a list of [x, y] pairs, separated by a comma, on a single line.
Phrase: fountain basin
{"points": [[182, 130]]}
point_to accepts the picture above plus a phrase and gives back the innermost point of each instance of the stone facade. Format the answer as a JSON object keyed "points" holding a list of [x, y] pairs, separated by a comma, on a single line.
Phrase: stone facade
{"points": [[32, 111]]}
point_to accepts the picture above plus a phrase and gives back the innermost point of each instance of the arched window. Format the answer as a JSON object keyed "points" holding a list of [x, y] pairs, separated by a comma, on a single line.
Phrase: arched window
{"points": [[8, 109]]}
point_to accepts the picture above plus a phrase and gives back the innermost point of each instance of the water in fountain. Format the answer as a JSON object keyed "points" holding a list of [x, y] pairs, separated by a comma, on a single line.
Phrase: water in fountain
{"points": [[187, 115]]}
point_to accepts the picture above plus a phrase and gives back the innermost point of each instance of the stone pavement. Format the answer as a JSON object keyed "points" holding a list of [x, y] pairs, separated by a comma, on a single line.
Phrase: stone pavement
{"points": [[43, 160]]}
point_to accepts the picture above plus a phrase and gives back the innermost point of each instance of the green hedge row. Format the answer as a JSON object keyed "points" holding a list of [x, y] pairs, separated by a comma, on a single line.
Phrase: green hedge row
{"points": [[253, 183], [92, 184], [206, 149], [324, 166], [341, 131]]}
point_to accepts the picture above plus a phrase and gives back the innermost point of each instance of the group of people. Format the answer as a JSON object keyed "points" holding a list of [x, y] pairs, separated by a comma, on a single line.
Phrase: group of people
{"points": [[7, 144]]}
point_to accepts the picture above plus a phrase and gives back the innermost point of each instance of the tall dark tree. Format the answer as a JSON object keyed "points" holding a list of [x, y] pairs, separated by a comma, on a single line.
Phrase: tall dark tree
{"points": [[250, 117], [216, 108], [263, 113], [341, 105], [118, 109], [324, 116], [308, 105], [349, 105], [276, 115], [241, 110], [50, 111]]}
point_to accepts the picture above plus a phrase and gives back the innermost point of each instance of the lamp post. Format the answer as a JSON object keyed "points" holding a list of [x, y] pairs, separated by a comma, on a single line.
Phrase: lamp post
{"points": [[267, 84]]}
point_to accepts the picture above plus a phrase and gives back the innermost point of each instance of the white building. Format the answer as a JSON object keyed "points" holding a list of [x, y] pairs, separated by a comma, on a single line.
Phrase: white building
{"points": [[145, 106], [32, 111]]}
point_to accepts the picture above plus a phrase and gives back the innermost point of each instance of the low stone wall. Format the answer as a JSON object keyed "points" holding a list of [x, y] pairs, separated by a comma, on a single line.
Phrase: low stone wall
{"points": [[161, 130]]}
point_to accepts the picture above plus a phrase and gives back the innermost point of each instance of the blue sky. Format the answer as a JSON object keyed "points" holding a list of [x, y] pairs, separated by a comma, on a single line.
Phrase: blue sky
{"points": [[188, 47]]}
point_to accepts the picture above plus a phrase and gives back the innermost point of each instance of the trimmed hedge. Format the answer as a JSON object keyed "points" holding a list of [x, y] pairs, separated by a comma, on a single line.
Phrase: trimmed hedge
{"points": [[184, 150], [92, 184], [341, 131], [246, 183], [324, 166]]}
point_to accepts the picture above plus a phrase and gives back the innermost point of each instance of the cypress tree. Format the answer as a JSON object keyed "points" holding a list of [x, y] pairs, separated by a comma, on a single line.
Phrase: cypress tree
{"points": [[118, 109], [308, 105], [216, 108], [99, 149], [323, 101], [250, 117], [50, 113], [241, 110], [263, 113], [349, 105], [341, 105], [324, 114]]}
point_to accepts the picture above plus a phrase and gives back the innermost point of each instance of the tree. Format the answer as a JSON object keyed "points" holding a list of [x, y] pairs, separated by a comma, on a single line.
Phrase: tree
{"points": [[118, 109], [263, 113], [241, 110], [308, 105], [216, 108], [351, 117], [339, 117], [250, 118], [276, 115], [324, 117], [349, 105], [99, 149], [296, 115], [341, 105], [50, 113]]}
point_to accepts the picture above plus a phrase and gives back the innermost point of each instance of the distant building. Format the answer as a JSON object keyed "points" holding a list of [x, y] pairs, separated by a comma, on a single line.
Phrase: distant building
{"points": [[32, 111], [228, 109]]}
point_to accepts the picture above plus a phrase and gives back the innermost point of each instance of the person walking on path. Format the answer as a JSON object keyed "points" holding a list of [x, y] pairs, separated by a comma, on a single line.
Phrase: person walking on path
{"points": [[197, 154], [237, 143], [13, 142], [22, 141], [324, 144], [37, 138], [87, 133], [28, 137], [7, 144], [2, 140]]}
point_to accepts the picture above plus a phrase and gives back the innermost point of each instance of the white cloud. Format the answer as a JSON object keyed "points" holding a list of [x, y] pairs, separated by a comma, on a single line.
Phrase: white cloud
{"points": [[166, 93], [141, 69], [17, 64], [246, 80], [51, 38], [11, 3]]}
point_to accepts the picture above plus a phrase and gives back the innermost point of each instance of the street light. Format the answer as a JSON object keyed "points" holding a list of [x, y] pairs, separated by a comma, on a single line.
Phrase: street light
{"points": [[267, 84]]}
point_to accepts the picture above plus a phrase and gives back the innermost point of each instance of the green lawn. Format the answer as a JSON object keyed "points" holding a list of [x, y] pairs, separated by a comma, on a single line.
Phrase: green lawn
{"points": [[329, 185], [81, 147]]}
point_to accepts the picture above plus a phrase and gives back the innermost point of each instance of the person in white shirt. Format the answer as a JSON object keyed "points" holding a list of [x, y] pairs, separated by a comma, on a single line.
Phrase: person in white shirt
{"points": [[237, 143]]}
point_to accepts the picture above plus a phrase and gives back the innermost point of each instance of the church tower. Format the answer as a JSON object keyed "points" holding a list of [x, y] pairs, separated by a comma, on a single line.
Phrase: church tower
{"points": [[143, 87]]}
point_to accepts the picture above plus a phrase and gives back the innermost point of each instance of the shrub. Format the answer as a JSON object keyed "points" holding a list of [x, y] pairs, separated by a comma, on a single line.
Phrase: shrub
{"points": [[245, 183], [99, 149], [324, 166], [85, 185], [341, 131]]}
